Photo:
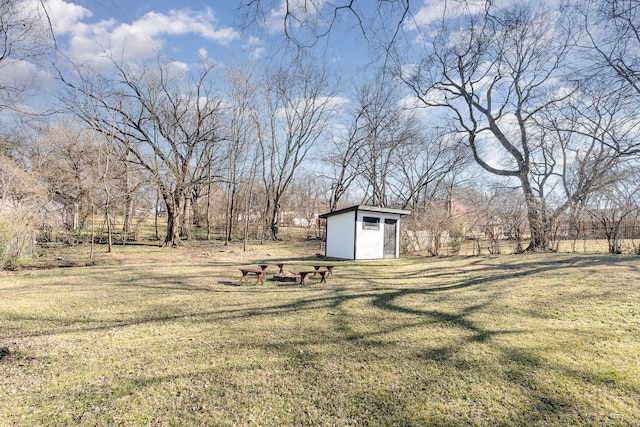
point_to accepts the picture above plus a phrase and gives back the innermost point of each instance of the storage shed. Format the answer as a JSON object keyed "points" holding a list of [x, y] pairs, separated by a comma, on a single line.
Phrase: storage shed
{"points": [[363, 232]]}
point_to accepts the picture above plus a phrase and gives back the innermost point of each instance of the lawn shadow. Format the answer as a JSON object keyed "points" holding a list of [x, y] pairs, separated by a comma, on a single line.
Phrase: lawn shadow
{"points": [[236, 284], [389, 296]]}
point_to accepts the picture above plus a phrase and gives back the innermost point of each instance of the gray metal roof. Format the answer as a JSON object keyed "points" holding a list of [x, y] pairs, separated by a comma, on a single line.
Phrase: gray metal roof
{"points": [[366, 209]]}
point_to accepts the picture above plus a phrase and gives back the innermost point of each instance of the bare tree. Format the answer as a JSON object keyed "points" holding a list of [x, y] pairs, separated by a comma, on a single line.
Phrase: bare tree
{"points": [[298, 103], [306, 196], [427, 167], [383, 129], [613, 29], [130, 182], [342, 158], [116, 188], [22, 198], [240, 140], [613, 205], [428, 228], [495, 75], [64, 158], [594, 131], [503, 73], [501, 216], [165, 118], [25, 36], [389, 150], [307, 23]]}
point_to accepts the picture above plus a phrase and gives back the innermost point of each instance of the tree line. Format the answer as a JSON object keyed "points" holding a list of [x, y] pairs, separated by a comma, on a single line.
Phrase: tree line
{"points": [[527, 116]]}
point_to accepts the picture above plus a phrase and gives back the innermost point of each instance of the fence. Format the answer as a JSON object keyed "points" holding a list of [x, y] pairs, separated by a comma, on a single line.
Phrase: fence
{"points": [[586, 239]]}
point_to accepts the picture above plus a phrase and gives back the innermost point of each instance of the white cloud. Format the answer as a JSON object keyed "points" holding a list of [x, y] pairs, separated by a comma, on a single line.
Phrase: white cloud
{"points": [[413, 103], [23, 74], [435, 10], [255, 46], [335, 102], [409, 71], [257, 53], [64, 16], [140, 39], [27, 80], [254, 41], [304, 11], [184, 21], [178, 67]]}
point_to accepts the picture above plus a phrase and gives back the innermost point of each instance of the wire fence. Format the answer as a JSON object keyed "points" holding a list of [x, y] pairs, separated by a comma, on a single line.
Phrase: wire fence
{"points": [[584, 238]]}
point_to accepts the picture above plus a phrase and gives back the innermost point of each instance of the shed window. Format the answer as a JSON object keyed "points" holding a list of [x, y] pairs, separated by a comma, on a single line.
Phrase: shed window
{"points": [[370, 223]]}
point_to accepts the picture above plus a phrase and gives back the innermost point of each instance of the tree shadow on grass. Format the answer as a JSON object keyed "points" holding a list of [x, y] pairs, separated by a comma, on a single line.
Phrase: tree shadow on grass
{"points": [[236, 284], [519, 366], [331, 297]]}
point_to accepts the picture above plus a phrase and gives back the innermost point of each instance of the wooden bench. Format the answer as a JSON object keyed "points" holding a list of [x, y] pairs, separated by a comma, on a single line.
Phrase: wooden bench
{"points": [[259, 275], [322, 273], [303, 274], [279, 264], [328, 267]]}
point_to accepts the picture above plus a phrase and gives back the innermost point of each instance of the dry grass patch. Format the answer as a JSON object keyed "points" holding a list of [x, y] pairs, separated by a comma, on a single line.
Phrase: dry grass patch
{"points": [[149, 336]]}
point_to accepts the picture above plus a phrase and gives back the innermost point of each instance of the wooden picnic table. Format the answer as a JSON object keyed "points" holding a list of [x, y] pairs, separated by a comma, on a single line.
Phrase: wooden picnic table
{"points": [[259, 275], [328, 267], [279, 264], [323, 275], [302, 274]]}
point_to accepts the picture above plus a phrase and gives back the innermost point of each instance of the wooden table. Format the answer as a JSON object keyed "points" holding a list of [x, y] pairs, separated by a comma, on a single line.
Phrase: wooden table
{"points": [[279, 264], [322, 273], [328, 267], [259, 275]]}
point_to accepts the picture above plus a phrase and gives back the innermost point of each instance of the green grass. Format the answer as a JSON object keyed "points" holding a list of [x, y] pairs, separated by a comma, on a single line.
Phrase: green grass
{"points": [[149, 336]]}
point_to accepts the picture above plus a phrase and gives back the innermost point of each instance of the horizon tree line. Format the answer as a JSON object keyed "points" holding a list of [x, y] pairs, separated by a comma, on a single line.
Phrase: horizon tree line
{"points": [[512, 93]]}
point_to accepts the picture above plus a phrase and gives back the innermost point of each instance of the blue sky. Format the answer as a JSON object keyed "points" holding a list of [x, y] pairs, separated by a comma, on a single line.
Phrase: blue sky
{"points": [[137, 30], [182, 31]]}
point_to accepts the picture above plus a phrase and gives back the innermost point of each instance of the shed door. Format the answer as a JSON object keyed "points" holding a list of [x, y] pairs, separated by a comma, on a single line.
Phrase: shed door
{"points": [[390, 238]]}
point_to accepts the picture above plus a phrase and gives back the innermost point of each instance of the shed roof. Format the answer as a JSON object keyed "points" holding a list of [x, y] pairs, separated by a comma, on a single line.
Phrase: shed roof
{"points": [[367, 209]]}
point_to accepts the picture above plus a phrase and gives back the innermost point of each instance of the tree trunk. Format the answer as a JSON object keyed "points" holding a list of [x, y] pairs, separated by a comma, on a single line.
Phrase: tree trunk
{"points": [[247, 204], [174, 204], [273, 227], [232, 189], [128, 203], [209, 211], [268, 218], [156, 216], [273, 218], [232, 212], [539, 220], [187, 221], [109, 227], [93, 230], [539, 226]]}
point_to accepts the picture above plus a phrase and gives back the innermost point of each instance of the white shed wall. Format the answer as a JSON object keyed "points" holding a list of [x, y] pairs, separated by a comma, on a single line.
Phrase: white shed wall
{"points": [[340, 235], [370, 243]]}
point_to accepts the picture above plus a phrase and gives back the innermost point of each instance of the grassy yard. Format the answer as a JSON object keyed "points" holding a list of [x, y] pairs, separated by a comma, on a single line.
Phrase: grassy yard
{"points": [[150, 336]]}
